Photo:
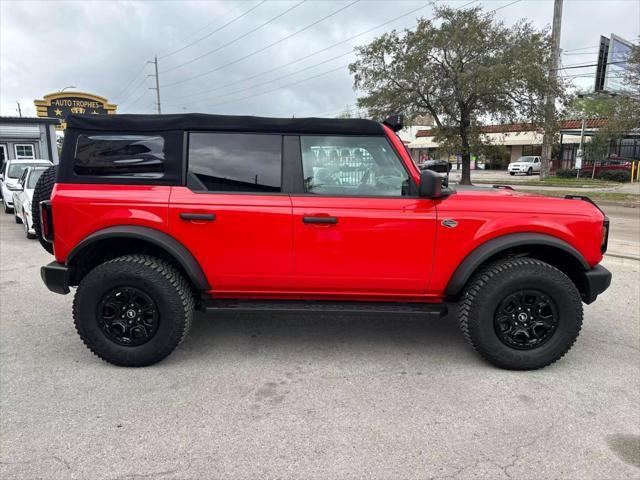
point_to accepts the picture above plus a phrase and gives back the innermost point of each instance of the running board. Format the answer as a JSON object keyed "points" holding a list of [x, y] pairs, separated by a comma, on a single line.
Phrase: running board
{"points": [[436, 310]]}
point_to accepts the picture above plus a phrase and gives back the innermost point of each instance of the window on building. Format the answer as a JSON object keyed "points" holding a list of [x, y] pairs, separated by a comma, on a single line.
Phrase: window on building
{"points": [[25, 151], [359, 166], [236, 162]]}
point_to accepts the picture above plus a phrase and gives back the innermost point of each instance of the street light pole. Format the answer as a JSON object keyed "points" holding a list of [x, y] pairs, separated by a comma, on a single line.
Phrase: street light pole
{"points": [[70, 86], [550, 105]]}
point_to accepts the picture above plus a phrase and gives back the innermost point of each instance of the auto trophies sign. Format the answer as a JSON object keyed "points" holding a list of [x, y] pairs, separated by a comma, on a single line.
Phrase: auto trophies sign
{"points": [[61, 104]]}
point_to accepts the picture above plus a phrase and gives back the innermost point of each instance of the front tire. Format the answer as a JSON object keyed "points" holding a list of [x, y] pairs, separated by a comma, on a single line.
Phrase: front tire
{"points": [[521, 313], [133, 310], [529, 172], [16, 218], [512, 173]]}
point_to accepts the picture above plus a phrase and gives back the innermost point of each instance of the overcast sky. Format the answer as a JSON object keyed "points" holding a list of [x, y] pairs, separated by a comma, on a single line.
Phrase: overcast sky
{"points": [[101, 48]]}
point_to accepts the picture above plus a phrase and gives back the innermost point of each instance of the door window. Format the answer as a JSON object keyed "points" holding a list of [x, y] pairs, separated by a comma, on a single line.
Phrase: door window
{"points": [[24, 152], [235, 162], [353, 166]]}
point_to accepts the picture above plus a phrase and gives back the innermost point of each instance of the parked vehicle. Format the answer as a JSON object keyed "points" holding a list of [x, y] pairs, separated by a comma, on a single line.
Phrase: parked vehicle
{"points": [[154, 217], [23, 196], [439, 166], [606, 165], [10, 175], [527, 165]]}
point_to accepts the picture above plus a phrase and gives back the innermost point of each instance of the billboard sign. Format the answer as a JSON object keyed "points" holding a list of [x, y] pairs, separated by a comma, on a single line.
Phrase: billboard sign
{"points": [[612, 64], [61, 104]]}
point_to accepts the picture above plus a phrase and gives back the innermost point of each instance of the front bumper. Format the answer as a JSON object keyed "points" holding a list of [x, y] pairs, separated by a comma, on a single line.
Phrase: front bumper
{"points": [[56, 277], [597, 280]]}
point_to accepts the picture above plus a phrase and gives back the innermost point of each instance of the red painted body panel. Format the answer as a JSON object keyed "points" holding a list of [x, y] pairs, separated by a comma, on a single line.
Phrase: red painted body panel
{"points": [[79, 210], [392, 248], [249, 245]]}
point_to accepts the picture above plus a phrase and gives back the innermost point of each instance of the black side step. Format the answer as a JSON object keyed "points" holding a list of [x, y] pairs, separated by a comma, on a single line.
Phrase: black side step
{"points": [[437, 310]]}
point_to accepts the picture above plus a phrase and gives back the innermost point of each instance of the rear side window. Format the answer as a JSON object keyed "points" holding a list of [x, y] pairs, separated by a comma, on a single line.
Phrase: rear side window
{"points": [[236, 162], [120, 156]]}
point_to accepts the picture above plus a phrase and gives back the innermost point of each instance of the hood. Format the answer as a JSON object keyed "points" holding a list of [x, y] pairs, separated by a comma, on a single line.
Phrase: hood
{"points": [[511, 201]]}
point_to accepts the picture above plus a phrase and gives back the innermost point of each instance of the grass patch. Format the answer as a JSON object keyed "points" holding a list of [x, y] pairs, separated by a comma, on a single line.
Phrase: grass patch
{"points": [[631, 199], [558, 182]]}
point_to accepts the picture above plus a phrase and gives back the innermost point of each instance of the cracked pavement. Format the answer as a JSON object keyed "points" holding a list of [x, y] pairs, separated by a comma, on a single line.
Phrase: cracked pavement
{"points": [[311, 396]]}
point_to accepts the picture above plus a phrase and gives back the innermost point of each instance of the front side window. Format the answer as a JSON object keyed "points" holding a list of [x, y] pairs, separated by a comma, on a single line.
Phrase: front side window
{"points": [[25, 152], [236, 162], [34, 176], [358, 166]]}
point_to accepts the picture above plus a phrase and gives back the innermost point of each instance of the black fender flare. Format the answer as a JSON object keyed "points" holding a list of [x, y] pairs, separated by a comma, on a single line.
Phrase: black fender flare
{"points": [[173, 247], [499, 244]]}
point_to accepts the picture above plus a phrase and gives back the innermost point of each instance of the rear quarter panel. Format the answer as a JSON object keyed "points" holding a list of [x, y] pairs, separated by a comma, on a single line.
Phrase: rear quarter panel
{"points": [[81, 209], [483, 217]]}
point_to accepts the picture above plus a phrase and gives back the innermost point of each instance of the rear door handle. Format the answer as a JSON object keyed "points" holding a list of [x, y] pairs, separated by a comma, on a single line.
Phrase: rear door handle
{"points": [[320, 220], [202, 217]]}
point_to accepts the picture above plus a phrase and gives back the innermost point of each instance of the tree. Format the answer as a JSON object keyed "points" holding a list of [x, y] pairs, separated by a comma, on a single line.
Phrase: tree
{"points": [[462, 68]]}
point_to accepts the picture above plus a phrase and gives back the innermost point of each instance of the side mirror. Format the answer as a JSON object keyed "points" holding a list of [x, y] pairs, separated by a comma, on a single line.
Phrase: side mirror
{"points": [[430, 184]]}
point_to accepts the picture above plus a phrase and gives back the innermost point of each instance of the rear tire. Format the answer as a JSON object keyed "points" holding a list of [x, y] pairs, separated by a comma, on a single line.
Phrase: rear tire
{"points": [[497, 333], [133, 310], [42, 192]]}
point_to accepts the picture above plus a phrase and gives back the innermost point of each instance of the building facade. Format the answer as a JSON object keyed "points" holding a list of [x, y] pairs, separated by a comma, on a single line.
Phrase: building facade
{"points": [[26, 138]]}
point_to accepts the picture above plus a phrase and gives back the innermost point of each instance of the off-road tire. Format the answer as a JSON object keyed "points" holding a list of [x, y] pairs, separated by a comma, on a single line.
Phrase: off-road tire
{"points": [[488, 287], [166, 286], [42, 192]]}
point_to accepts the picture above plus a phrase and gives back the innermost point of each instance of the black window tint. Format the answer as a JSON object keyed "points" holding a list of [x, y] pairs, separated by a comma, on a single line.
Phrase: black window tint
{"points": [[120, 156], [237, 162]]}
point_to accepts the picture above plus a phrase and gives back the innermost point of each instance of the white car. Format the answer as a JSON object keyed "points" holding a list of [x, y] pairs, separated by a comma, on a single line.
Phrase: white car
{"points": [[527, 165], [10, 175], [23, 197]]}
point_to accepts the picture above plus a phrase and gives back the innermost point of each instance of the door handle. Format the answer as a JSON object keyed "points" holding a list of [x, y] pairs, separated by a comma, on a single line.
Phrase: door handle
{"points": [[202, 217], [320, 220]]}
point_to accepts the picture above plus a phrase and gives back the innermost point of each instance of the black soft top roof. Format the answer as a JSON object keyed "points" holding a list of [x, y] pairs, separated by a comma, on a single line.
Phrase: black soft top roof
{"points": [[226, 123]]}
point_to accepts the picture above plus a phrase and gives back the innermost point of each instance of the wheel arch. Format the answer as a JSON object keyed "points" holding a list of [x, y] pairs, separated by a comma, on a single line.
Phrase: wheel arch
{"points": [[112, 242], [543, 247]]}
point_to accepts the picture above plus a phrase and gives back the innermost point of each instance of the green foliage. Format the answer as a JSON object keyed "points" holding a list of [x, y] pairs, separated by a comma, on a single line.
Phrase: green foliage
{"points": [[459, 68], [614, 175], [567, 173]]}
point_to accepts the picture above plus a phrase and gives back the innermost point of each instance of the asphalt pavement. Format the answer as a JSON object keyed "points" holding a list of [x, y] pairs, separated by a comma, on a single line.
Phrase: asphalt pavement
{"points": [[251, 396]]}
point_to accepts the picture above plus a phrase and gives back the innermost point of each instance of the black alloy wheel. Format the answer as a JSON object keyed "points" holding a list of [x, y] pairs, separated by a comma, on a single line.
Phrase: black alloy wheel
{"points": [[128, 316], [526, 319]]}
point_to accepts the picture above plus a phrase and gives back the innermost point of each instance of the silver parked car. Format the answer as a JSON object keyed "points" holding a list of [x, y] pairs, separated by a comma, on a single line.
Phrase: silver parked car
{"points": [[11, 173], [23, 196]]}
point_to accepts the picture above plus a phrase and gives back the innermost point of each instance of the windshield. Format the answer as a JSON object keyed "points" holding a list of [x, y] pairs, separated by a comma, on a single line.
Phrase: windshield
{"points": [[33, 177], [526, 159], [16, 169]]}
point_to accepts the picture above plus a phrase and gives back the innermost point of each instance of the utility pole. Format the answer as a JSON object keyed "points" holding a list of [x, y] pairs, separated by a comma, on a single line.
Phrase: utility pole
{"points": [[157, 87], [19, 110], [550, 102]]}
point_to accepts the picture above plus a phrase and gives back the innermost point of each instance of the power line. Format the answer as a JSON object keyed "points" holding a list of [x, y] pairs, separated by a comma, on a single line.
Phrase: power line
{"points": [[144, 65], [350, 52], [581, 48], [267, 46], [306, 56], [281, 87], [132, 92], [505, 6], [588, 65], [213, 32], [220, 47]]}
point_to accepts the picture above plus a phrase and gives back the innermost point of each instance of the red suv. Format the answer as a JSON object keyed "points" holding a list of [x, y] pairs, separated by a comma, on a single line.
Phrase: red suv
{"points": [[154, 217]]}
